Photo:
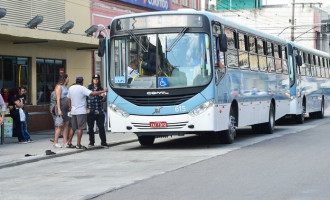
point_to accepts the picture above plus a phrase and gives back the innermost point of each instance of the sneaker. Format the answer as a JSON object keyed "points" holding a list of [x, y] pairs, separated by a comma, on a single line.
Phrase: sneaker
{"points": [[90, 145], [79, 146], [30, 141], [57, 145], [105, 145], [22, 142]]}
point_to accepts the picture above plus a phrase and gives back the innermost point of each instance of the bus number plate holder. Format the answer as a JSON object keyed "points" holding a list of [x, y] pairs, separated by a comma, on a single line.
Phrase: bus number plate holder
{"points": [[158, 124]]}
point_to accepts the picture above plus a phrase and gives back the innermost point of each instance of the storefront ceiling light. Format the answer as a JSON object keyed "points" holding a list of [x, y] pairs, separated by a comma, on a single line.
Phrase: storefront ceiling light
{"points": [[91, 30], [3, 12], [67, 26], [33, 23]]}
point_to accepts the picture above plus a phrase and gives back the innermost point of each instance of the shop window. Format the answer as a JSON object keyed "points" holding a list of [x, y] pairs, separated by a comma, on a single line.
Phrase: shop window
{"points": [[14, 72], [48, 72]]}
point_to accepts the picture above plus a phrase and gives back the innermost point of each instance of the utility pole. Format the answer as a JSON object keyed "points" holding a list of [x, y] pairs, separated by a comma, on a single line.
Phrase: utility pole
{"points": [[292, 21]]}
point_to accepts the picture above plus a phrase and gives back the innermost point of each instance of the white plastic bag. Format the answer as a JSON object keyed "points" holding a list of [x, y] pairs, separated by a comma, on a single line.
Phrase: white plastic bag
{"points": [[58, 120], [22, 115]]}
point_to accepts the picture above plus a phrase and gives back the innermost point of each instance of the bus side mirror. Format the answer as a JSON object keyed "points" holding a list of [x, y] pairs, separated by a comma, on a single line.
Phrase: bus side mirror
{"points": [[222, 42], [298, 60], [102, 47]]}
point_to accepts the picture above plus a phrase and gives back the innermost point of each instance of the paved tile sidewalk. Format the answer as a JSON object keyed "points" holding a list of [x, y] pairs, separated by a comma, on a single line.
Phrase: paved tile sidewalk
{"points": [[12, 153]]}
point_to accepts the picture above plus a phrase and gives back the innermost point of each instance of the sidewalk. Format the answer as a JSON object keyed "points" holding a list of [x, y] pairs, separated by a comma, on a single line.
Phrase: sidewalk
{"points": [[12, 153]]}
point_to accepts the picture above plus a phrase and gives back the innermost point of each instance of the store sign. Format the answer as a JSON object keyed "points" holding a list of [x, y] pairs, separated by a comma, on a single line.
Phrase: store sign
{"points": [[61, 71], [153, 4]]}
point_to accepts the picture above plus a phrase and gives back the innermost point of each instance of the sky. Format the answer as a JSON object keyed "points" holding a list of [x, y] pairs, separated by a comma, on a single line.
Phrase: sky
{"points": [[273, 2]]}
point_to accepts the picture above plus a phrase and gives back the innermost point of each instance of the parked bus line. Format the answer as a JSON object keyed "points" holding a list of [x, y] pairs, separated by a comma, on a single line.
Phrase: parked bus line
{"points": [[197, 72]]}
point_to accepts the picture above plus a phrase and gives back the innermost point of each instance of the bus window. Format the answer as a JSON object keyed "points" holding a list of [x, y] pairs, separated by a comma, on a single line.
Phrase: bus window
{"points": [[243, 55], [253, 57], [291, 74], [307, 65], [327, 68], [270, 57], [318, 67], [284, 60], [232, 57], [302, 68], [321, 67], [278, 62], [261, 55]]}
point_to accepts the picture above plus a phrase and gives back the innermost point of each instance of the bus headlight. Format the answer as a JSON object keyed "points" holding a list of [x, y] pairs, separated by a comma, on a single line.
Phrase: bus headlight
{"points": [[118, 110], [201, 108]]}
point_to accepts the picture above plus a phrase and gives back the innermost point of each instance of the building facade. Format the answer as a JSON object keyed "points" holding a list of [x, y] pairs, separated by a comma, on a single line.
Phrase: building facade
{"points": [[35, 57], [277, 20], [238, 4]]}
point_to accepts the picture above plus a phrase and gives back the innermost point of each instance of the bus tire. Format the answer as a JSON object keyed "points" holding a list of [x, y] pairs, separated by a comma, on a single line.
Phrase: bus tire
{"points": [[320, 114], [146, 140], [268, 127], [228, 136], [300, 119]]}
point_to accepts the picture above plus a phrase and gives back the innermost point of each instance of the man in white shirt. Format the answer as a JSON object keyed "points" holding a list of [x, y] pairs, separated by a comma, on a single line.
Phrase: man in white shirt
{"points": [[77, 104], [132, 69]]}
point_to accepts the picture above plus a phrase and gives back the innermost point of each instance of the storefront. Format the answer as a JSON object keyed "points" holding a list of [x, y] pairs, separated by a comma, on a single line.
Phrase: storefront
{"points": [[36, 57]]}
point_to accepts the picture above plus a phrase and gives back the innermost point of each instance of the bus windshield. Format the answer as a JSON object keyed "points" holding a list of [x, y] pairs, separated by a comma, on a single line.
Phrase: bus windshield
{"points": [[160, 60]]}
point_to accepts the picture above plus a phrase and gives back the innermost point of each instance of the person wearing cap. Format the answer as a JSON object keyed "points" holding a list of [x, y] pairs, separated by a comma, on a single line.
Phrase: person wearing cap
{"points": [[77, 104], [95, 112]]}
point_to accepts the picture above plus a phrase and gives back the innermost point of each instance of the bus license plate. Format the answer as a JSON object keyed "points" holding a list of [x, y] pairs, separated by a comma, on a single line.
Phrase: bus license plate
{"points": [[158, 124]]}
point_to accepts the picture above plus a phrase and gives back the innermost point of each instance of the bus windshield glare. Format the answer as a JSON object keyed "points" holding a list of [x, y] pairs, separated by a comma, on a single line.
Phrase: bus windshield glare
{"points": [[160, 60]]}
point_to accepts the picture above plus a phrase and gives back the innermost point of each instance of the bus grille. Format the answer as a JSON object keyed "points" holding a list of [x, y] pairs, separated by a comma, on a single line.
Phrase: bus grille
{"points": [[158, 101], [175, 125]]}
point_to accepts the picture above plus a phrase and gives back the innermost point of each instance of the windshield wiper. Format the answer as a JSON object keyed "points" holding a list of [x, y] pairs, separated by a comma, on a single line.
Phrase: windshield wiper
{"points": [[130, 32], [177, 39]]}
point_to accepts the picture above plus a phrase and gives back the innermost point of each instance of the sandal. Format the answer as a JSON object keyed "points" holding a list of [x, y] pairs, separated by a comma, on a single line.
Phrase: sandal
{"points": [[79, 146], [70, 146]]}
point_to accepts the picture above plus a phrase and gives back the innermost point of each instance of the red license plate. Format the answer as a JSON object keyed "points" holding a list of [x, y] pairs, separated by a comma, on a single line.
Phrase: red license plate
{"points": [[158, 124]]}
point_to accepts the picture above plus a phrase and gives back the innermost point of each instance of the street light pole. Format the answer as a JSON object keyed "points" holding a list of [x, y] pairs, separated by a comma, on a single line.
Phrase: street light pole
{"points": [[292, 21]]}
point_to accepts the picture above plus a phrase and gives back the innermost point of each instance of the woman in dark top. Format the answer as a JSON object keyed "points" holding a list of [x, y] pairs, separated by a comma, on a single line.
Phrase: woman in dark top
{"points": [[14, 105]]}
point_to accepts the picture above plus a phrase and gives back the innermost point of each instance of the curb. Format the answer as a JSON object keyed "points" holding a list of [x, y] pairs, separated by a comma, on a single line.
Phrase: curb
{"points": [[45, 157]]}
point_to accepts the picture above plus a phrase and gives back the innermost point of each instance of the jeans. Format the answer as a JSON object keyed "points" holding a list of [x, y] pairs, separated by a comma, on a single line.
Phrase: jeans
{"points": [[24, 130], [91, 118]]}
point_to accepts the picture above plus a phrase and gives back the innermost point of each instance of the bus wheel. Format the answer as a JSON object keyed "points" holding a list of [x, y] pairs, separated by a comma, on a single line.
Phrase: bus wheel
{"points": [[320, 114], [146, 140], [228, 136], [269, 126], [300, 119]]}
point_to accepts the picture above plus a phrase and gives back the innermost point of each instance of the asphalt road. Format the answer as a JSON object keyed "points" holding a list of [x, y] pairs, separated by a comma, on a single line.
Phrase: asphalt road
{"points": [[292, 167], [290, 164]]}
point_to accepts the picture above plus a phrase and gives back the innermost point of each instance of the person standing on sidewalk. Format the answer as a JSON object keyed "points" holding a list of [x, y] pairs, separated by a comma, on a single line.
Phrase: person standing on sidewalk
{"points": [[95, 112], [61, 109], [16, 112], [77, 104], [3, 109]]}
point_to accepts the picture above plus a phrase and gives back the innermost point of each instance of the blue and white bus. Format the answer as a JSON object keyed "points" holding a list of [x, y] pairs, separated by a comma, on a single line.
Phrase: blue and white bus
{"points": [[197, 73], [310, 91]]}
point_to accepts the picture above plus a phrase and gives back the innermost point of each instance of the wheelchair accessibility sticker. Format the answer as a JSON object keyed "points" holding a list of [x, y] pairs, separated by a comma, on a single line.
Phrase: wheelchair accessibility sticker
{"points": [[162, 82], [120, 79]]}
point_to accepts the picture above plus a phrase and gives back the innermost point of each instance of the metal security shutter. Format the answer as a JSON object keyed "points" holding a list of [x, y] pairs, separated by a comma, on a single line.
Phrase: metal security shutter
{"points": [[21, 11]]}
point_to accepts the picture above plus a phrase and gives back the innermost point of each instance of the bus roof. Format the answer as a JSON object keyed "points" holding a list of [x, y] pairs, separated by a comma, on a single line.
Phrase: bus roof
{"points": [[310, 50], [212, 16]]}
